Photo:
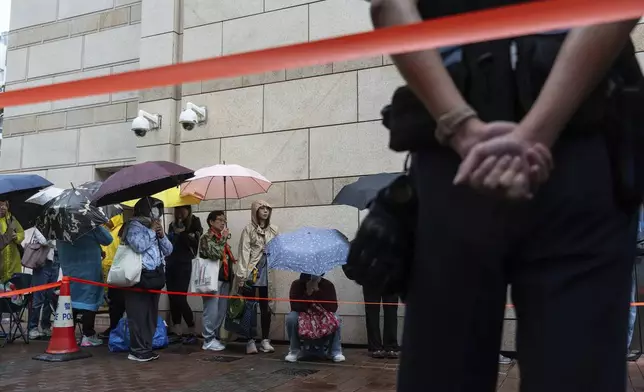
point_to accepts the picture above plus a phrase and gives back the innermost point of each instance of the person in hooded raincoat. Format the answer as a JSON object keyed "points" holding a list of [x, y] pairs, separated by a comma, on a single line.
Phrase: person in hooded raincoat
{"points": [[10, 255], [82, 260], [252, 267], [116, 300]]}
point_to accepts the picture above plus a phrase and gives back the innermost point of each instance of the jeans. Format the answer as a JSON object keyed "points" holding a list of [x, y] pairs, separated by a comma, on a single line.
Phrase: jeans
{"points": [[632, 316], [334, 341], [214, 313], [43, 300]]}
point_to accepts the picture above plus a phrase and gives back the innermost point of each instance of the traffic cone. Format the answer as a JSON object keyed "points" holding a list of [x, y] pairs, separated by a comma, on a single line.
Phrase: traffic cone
{"points": [[62, 346]]}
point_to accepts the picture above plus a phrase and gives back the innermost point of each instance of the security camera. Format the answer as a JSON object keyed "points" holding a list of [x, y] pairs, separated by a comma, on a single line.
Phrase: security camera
{"points": [[145, 122], [193, 115]]}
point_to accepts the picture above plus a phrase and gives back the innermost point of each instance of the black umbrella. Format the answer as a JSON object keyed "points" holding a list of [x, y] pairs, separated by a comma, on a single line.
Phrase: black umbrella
{"points": [[17, 188], [70, 215], [141, 180], [362, 192]]}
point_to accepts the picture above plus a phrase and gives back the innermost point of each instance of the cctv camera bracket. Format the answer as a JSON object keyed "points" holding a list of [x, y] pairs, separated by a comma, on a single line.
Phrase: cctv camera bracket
{"points": [[154, 119], [201, 111]]}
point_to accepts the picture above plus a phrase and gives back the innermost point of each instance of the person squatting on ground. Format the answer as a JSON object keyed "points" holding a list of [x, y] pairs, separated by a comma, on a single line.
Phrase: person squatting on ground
{"points": [[570, 235], [184, 233], [252, 266], [312, 288], [214, 247], [145, 235]]}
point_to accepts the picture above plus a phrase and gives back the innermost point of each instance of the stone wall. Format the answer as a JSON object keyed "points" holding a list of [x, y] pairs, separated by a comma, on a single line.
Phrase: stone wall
{"points": [[310, 130]]}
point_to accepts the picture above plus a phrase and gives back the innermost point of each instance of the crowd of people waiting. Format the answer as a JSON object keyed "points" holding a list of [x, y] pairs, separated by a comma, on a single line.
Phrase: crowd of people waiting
{"points": [[167, 262]]}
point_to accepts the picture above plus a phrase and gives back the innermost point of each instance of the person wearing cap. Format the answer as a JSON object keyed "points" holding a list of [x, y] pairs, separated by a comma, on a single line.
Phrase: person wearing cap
{"points": [[308, 289], [144, 234]]}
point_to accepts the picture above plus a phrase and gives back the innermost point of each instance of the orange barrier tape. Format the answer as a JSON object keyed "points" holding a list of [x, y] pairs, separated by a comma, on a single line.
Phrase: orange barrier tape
{"points": [[30, 290], [471, 27]]}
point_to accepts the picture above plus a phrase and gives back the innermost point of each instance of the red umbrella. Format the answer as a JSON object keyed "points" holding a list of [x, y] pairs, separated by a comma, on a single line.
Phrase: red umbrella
{"points": [[140, 180]]}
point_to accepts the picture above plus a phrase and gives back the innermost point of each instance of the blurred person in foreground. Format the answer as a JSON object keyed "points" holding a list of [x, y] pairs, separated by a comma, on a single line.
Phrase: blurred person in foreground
{"points": [[500, 215], [10, 254], [115, 299], [145, 235]]}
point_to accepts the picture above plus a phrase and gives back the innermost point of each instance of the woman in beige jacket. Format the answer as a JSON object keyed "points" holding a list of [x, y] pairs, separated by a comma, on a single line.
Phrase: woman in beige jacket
{"points": [[252, 269]]}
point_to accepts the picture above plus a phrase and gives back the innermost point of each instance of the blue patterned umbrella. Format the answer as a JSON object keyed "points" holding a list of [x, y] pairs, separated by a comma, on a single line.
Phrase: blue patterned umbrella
{"points": [[308, 250]]}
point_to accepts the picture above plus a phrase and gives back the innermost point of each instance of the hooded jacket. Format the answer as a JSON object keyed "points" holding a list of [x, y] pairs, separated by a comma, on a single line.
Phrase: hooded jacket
{"points": [[253, 239]]}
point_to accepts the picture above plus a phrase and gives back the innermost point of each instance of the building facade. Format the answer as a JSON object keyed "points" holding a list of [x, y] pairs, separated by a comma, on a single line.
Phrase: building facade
{"points": [[310, 130]]}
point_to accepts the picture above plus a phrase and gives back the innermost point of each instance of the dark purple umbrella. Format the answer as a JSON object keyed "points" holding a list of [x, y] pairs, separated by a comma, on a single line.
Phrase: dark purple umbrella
{"points": [[140, 180]]}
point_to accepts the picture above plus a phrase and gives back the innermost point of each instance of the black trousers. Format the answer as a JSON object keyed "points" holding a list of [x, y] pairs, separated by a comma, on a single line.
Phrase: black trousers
{"points": [[568, 254], [142, 311], [88, 321], [117, 306], [372, 312], [264, 311], [178, 279]]}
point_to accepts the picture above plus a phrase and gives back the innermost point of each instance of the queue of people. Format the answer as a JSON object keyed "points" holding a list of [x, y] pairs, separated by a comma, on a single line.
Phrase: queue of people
{"points": [[167, 262]]}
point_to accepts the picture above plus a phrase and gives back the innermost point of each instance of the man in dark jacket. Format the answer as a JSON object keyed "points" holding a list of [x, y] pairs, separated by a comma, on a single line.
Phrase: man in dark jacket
{"points": [[309, 289], [184, 233], [563, 245]]}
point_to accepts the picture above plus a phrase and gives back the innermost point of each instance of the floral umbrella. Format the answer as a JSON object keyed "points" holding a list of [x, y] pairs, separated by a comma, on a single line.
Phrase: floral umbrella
{"points": [[70, 215]]}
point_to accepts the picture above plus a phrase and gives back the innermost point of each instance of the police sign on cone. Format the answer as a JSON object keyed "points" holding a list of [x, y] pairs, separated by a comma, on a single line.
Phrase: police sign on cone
{"points": [[62, 346]]}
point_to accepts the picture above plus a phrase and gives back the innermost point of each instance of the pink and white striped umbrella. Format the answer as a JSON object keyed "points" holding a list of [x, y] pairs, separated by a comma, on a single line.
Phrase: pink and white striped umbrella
{"points": [[225, 182]]}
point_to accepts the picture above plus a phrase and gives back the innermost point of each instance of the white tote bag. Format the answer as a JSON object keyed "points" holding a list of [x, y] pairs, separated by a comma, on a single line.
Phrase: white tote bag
{"points": [[205, 276], [126, 267]]}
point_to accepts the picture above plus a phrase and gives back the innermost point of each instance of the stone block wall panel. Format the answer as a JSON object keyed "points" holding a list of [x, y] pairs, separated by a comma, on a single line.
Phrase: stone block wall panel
{"points": [[50, 149]]}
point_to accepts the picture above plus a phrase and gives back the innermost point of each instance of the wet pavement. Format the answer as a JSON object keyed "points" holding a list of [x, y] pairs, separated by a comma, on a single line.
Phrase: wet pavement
{"points": [[188, 369]]}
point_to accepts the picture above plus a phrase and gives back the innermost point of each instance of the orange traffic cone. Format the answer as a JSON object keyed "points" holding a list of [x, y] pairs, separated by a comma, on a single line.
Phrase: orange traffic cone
{"points": [[62, 346]]}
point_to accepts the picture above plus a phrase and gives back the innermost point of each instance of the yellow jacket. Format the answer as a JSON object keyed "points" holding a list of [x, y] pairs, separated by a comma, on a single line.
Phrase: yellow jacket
{"points": [[110, 250], [10, 256]]}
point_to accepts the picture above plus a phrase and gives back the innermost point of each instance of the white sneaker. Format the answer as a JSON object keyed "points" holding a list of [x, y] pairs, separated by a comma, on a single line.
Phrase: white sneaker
{"points": [[34, 334], [503, 360], [292, 356], [337, 358], [91, 341], [46, 332], [266, 347], [251, 347], [213, 345]]}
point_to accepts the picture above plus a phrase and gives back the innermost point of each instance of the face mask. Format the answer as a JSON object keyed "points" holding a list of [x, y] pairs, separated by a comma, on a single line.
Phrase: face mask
{"points": [[155, 213]]}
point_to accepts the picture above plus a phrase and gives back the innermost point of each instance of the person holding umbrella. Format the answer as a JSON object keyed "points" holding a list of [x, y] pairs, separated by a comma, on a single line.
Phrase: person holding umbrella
{"points": [[82, 259], [144, 235], [13, 234], [253, 268]]}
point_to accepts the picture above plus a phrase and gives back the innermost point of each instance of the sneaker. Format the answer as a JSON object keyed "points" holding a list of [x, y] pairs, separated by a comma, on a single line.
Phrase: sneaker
{"points": [[189, 340], [292, 356], [266, 347], [46, 332], [503, 360], [213, 345], [34, 334], [251, 348], [632, 356], [379, 354], [337, 358], [144, 357], [393, 354], [105, 334], [91, 341]]}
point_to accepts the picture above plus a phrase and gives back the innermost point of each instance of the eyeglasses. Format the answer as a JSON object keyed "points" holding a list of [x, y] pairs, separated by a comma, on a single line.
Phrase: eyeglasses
{"points": [[221, 220]]}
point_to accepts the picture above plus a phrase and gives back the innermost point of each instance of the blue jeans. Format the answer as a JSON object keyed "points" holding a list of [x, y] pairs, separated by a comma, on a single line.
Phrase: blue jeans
{"points": [[43, 300], [632, 316], [214, 313], [334, 342]]}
